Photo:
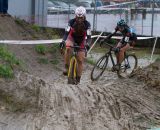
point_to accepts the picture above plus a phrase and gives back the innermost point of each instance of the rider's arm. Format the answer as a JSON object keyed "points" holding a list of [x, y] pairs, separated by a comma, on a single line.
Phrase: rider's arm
{"points": [[67, 29], [88, 39], [113, 33], [66, 33]]}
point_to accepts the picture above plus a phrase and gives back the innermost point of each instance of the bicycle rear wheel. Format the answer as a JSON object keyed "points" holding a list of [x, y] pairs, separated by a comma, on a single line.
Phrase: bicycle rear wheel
{"points": [[128, 65], [99, 68]]}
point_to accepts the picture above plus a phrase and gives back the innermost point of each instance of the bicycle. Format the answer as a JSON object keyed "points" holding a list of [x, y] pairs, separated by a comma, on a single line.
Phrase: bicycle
{"points": [[72, 71], [128, 65]]}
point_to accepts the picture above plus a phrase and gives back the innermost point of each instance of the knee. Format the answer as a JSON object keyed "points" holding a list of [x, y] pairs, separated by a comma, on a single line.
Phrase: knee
{"points": [[68, 50], [80, 60]]}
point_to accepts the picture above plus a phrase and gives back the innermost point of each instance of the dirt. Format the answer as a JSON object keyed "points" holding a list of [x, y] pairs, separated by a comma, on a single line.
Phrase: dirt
{"points": [[49, 103]]}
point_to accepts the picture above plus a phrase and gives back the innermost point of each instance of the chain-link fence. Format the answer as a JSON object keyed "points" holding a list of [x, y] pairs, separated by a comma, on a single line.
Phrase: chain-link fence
{"points": [[142, 16]]}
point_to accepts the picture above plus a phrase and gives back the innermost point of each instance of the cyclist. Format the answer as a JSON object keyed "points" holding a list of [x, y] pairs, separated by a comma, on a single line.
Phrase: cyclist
{"points": [[78, 32], [128, 40]]}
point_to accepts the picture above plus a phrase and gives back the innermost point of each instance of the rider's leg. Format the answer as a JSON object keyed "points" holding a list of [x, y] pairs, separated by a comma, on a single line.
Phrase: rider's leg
{"points": [[121, 53], [67, 56], [117, 56], [80, 60]]}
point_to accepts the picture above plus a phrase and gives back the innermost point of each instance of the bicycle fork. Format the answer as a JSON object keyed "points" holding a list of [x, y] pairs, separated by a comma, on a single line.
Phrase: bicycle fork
{"points": [[73, 64]]}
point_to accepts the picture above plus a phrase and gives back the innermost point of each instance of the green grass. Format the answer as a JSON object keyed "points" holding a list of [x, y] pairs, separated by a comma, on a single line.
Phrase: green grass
{"points": [[8, 57], [6, 71], [41, 49], [18, 21], [36, 27], [8, 62]]}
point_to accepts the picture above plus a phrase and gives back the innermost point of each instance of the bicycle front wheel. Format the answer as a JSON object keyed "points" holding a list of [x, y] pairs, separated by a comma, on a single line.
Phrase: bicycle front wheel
{"points": [[72, 73], [128, 65], [99, 68]]}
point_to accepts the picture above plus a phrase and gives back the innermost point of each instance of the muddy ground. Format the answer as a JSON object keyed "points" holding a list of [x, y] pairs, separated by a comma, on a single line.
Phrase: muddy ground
{"points": [[40, 98]]}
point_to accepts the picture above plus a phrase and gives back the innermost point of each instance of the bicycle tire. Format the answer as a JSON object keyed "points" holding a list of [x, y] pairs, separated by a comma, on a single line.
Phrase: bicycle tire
{"points": [[100, 67], [72, 73], [131, 66]]}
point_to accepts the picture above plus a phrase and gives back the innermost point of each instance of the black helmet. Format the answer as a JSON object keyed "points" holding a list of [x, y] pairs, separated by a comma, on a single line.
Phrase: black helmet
{"points": [[121, 23]]}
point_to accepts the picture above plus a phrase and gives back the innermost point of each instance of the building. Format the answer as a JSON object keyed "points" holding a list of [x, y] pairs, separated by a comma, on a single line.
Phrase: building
{"points": [[33, 11]]}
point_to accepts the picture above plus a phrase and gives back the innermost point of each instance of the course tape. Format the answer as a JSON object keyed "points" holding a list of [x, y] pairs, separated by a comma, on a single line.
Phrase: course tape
{"points": [[30, 41], [119, 37], [23, 42]]}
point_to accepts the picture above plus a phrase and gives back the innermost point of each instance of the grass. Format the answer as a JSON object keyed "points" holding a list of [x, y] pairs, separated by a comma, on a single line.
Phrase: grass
{"points": [[8, 62], [19, 21], [36, 27], [6, 71], [41, 49], [8, 56], [54, 49]]}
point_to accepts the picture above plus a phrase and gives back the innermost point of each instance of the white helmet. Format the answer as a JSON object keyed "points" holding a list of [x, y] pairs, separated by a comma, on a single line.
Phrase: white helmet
{"points": [[80, 11]]}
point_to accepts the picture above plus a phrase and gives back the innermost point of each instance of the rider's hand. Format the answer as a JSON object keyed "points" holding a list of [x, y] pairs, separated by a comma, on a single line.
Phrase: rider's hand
{"points": [[116, 49], [62, 45]]}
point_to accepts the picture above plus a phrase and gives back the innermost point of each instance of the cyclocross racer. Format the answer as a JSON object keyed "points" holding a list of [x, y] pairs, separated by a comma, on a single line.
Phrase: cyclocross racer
{"points": [[77, 32], [128, 40]]}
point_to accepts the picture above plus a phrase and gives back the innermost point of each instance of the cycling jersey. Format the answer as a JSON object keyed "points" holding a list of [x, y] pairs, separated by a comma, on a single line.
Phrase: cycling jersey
{"points": [[87, 31], [76, 40], [128, 35]]}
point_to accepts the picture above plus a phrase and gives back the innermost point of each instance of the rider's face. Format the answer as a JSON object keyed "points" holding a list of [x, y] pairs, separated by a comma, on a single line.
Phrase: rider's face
{"points": [[80, 19], [120, 28]]}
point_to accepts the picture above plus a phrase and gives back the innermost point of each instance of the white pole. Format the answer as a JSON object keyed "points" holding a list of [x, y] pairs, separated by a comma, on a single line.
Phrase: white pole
{"points": [[94, 43], [155, 42]]}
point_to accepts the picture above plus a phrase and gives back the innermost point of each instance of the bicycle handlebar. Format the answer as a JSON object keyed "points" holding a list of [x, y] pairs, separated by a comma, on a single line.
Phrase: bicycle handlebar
{"points": [[111, 46], [76, 47]]}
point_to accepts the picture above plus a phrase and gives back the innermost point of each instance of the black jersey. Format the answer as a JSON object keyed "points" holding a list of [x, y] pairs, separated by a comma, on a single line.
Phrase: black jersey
{"points": [[128, 35], [71, 24]]}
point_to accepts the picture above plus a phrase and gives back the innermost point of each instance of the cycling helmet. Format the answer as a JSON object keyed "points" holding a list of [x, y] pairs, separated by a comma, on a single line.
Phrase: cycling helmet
{"points": [[121, 23], [80, 11]]}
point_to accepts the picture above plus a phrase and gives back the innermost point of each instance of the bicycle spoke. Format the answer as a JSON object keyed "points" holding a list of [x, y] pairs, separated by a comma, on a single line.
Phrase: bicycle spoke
{"points": [[99, 68], [129, 65]]}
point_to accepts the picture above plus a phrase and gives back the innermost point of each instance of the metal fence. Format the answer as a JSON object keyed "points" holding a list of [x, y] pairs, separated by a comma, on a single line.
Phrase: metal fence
{"points": [[142, 17]]}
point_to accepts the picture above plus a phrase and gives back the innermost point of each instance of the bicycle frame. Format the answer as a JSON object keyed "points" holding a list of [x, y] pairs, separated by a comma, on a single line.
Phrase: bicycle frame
{"points": [[111, 57]]}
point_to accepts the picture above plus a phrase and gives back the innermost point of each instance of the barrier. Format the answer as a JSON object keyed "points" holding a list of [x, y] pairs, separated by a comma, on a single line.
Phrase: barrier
{"points": [[30, 42], [57, 40]]}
